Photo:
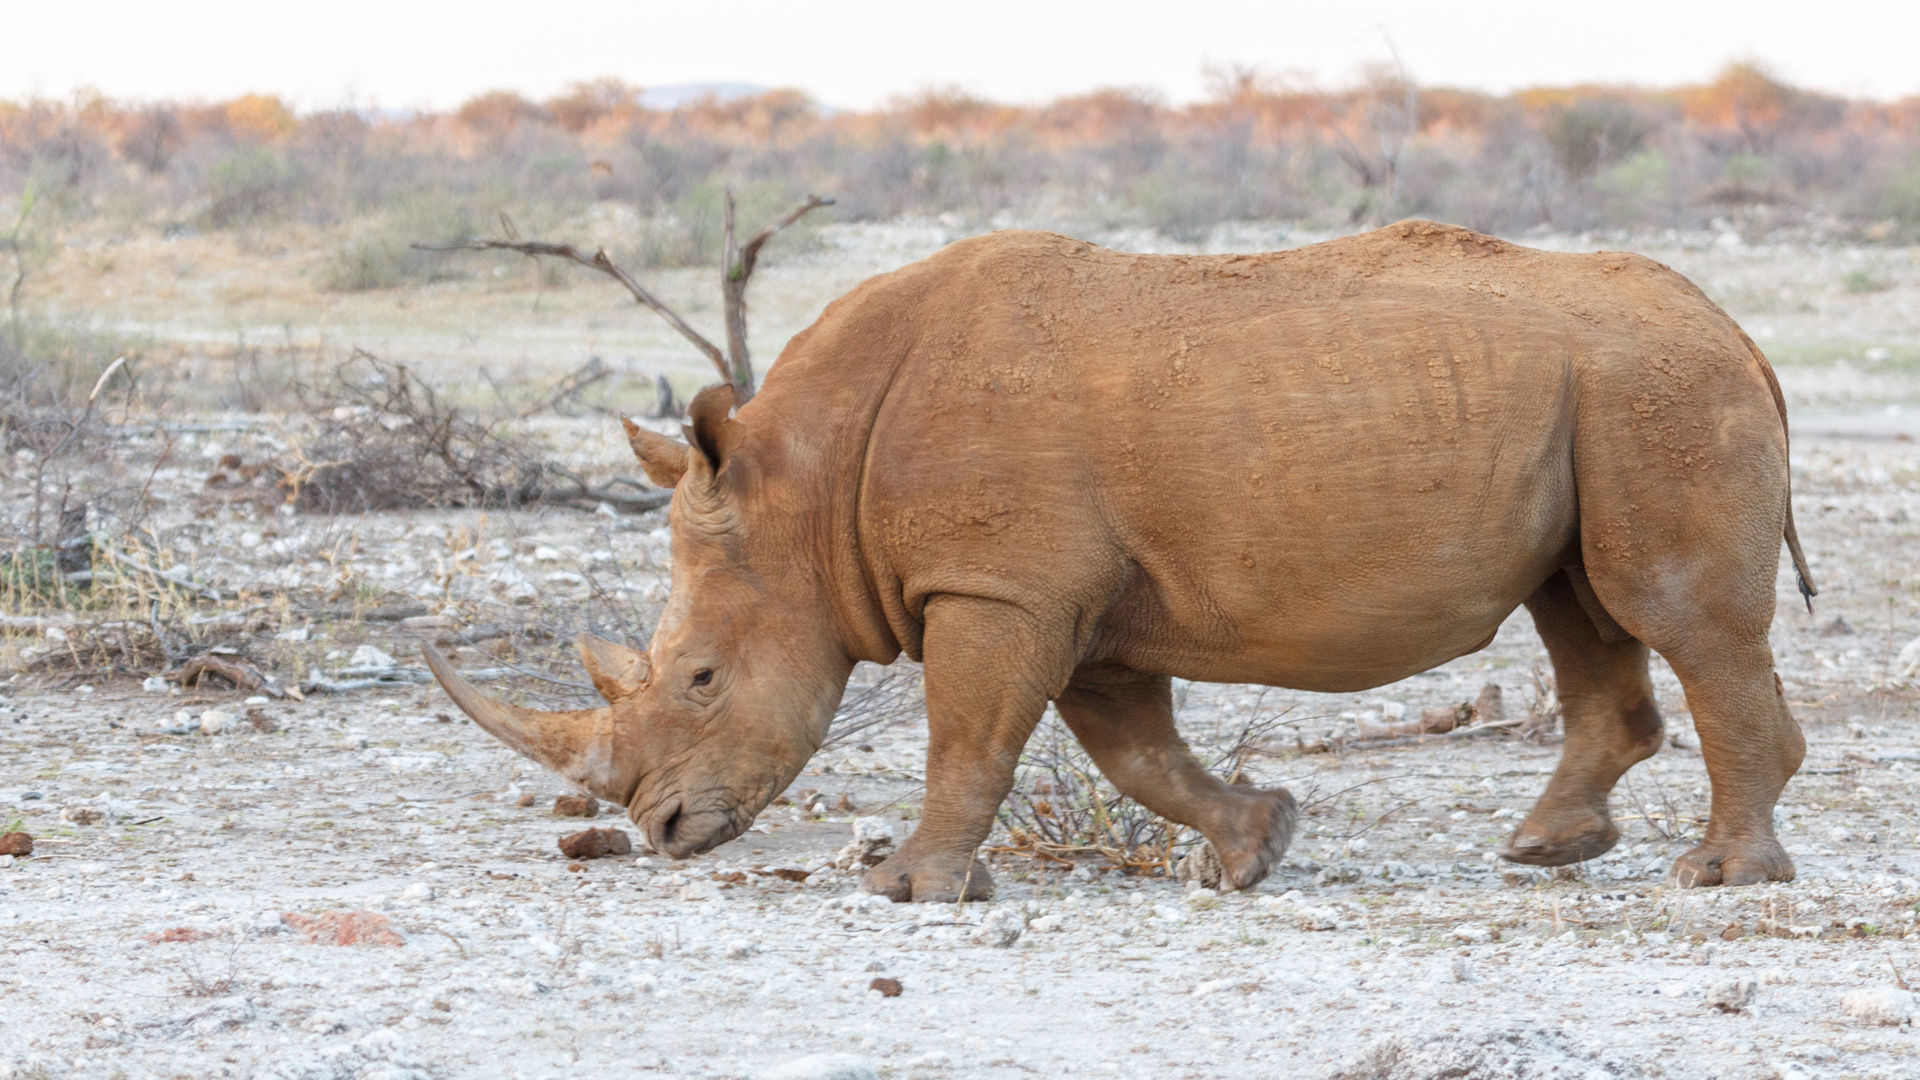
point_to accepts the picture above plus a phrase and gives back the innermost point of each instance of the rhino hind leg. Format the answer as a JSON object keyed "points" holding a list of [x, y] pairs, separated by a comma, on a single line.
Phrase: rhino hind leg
{"points": [[1752, 747], [1612, 723], [1124, 720], [1698, 588]]}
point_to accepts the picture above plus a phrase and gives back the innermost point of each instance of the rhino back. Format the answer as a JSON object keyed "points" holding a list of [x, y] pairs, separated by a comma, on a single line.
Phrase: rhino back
{"points": [[1319, 468]]}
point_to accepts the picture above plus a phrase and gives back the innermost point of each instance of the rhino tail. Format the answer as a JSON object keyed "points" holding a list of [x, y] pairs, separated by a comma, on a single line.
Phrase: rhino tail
{"points": [[1803, 577]]}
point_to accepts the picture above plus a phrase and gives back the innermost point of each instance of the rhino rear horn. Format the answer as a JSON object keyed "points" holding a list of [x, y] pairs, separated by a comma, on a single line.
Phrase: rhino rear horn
{"points": [[617, 671], [576, 743]]}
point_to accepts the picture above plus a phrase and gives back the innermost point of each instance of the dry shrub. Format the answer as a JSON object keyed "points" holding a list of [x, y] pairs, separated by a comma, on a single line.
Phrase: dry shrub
{"points": [[73, 574], [388, 441], [1061, 808], [62, 426], [877, 699], [126, 615]]}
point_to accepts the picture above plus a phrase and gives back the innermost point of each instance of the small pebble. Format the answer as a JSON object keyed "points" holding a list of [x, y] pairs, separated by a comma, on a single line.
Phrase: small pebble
{"points": [[366, 656], [1880, 1005], [887, 987], [1732, 995], [575, 806], [1000, 929]]}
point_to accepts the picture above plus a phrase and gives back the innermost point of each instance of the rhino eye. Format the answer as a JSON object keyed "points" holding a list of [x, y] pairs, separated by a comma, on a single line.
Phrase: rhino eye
{"points": [[703, 676]]}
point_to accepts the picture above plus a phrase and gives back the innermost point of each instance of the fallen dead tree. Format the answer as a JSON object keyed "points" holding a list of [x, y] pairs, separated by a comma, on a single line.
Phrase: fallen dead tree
{"points": [[386, 440]]}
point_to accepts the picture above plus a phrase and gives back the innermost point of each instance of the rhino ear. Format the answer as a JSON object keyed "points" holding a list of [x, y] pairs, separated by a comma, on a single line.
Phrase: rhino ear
{"points": [[664, 459], [713, 432], [617, 671]]}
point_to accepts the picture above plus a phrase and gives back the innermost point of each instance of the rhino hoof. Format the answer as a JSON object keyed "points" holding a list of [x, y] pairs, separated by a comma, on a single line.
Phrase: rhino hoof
{"points": [[1240, 855], [1746, 862], [905, 880], [1535, 848]]}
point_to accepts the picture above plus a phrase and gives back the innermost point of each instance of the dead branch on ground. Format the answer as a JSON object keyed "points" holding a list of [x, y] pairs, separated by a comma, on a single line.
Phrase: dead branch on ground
{"points": [[737, 263], [236, 669]]}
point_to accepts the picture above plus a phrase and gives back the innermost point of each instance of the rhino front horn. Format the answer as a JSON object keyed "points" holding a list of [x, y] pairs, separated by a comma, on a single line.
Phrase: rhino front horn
{"points": [[579, 744]]}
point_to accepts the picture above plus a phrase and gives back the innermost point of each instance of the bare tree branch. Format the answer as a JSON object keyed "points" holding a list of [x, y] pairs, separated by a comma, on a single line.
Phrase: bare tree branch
{"points": [[602, 262], [736, 267]]}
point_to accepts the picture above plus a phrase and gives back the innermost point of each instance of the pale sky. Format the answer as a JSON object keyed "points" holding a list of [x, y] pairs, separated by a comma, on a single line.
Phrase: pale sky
{"points": [[436, 53]]}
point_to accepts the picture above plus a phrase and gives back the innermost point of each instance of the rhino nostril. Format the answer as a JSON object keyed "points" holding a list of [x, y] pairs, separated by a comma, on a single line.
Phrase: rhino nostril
{"points": [[668, 824]]}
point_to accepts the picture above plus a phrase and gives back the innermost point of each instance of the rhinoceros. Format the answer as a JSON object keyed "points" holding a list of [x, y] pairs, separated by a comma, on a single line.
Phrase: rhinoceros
{"points": [[1057, 473]]}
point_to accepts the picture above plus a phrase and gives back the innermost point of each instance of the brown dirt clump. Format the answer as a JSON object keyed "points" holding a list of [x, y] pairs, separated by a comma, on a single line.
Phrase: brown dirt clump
{"points": [[16, 843], [344, 928], [595, 844], [575, 806], [178, 934]]}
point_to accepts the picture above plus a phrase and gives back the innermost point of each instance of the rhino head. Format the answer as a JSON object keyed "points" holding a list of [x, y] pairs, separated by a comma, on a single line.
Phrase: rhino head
{"points": [[745, 670]]}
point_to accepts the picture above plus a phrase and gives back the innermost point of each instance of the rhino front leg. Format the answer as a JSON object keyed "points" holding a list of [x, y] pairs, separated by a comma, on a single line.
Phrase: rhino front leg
{"points": [[990, 670], [1124, 720]]}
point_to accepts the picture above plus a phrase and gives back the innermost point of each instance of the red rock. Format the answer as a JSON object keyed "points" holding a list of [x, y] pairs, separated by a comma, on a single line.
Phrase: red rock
{"points": [[887, 987], [595, 843], [575, 806], [185, 934], [16, 843], [344, 928]]}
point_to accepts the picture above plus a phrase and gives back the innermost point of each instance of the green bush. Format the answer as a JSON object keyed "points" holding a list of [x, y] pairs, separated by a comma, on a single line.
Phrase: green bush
{"points": [[1899, 198], [251, 185], [380, 253]]}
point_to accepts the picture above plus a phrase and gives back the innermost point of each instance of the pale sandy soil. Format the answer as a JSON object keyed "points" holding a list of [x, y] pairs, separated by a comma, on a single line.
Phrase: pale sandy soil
{"points": [[214, 294], [1388, 920]]}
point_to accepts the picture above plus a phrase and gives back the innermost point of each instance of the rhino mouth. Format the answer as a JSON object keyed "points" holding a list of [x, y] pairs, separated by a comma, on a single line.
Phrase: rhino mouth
{"points": [[680, 832]]}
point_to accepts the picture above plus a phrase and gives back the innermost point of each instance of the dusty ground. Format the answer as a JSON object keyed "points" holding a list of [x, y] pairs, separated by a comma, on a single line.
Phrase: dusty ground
{"points": [[1390, 919]]}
